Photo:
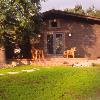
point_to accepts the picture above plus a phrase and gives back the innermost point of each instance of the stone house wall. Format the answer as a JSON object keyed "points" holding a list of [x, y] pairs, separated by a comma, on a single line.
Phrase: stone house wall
{"points": [[85, 36]]}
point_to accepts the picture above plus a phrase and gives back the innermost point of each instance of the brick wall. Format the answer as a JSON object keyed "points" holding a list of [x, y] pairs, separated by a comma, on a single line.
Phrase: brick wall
{"points": [[84, 35]]}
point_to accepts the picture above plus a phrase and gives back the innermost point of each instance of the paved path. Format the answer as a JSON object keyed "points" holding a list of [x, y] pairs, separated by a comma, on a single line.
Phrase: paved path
{"points": [[11, 73]]}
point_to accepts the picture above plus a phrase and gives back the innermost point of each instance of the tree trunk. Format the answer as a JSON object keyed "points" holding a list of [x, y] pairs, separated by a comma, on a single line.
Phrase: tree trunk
{"points": [[2, 56]]}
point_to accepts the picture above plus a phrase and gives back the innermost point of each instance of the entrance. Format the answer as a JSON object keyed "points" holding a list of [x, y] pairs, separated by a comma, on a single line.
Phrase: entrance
{"points": [[55, 43]]}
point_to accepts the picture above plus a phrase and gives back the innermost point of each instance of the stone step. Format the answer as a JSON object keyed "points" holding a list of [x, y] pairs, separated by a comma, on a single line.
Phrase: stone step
{"points": [[53, 61], [62, 58], [59, 61]]}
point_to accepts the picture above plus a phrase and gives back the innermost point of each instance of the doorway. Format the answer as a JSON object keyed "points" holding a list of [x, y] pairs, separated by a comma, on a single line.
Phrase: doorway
{"points": [[55, 43]]}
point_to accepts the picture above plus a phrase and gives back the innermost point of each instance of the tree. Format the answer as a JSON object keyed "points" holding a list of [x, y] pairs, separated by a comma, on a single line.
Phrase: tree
{"points": [[97, 13], [19, 13], [77, 9], [91, 11], [19, 19]]}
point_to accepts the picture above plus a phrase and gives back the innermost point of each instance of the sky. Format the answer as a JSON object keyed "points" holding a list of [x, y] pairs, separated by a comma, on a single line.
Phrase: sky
{"points": [[62, 4]]}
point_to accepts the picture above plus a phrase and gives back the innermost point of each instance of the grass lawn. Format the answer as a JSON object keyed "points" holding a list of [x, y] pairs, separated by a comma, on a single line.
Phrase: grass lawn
{"points": [[57, 83]]}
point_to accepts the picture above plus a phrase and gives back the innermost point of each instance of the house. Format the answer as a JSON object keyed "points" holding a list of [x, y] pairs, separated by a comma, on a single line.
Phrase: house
{"points": [[62, 31]]}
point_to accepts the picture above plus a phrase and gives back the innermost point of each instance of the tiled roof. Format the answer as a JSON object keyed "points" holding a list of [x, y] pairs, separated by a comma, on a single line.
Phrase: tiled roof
{"points": [[64, 14]]}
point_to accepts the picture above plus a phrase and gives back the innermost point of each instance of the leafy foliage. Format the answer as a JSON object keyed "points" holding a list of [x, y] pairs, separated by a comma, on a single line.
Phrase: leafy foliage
{"points": [[78, 9], [91, 11], [18, 18], [17, 14]]}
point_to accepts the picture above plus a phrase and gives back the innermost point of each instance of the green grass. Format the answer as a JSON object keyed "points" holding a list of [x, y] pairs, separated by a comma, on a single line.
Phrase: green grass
{"points": [[60, 83]]}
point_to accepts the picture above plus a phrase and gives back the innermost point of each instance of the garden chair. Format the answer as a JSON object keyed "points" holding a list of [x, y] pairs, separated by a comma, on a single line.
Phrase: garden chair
{"points": [[37, 53], [70, 52]]}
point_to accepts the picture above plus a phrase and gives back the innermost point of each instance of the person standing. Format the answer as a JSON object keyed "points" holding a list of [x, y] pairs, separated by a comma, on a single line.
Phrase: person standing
{"points": [[17, 51]]}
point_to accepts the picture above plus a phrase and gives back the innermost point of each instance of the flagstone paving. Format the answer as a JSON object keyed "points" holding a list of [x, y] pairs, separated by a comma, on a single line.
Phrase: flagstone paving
{"points": [[2, 74], [13, 72], [30, 70]]}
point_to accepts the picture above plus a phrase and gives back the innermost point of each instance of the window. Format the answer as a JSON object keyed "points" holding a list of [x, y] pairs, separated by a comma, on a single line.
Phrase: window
{"points": [[53, 23]]}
